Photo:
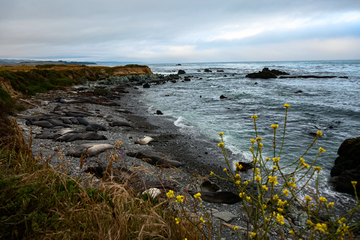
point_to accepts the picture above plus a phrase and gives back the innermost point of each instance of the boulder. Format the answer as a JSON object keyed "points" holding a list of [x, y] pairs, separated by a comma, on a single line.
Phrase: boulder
{"points": [[207, 70], [146, 85], [181, 72], [266, 73], [347, 166]]}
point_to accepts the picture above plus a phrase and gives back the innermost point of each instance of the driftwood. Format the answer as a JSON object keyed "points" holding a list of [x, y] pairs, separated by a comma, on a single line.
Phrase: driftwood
{"points": [[28, 102]]}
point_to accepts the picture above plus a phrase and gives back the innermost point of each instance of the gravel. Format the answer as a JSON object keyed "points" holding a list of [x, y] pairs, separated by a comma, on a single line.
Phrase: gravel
{"points": [[199, 154]]}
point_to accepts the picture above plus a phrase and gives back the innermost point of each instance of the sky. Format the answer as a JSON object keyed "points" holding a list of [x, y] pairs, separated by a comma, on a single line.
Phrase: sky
{"points": [[169, 31]]}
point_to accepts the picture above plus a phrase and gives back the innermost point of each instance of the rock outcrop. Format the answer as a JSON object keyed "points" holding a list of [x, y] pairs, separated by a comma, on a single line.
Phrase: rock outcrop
{"points": [[347, 166], [266, 73]]}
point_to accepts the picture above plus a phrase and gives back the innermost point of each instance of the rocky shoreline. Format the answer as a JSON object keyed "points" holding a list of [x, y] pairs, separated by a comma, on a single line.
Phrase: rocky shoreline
{"points": [[198, 155], [126, 119]]}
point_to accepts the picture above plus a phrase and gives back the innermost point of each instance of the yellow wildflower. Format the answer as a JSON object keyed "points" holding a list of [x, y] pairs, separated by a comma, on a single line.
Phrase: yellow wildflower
{"points": [[221, 134], [310, 222], [237, 176], [248, 199], [211, 173], [307, 198], [261, 145], [280, 219], [273, 180], [252, 234], [317, 168], [264, 206], [354, 183], [221, 144], [331, 204], [322, 199], [238, 182], [292, 232], [321, 227], [252, 140], [321, 149], [254, 116], [202, 220], [241, 194], [179, 199], [280, 210], [267, 159], [170, 194], [275, 197], [177, 220], [257, 178], [275, 168], [306, 165], [235, 228], [274, 126], [265, 187], [246, 183], [293, 185], [259, 139], [319, 133], [286, 105], [197, 196], [286, 192], [276, 159], [225, 170]]}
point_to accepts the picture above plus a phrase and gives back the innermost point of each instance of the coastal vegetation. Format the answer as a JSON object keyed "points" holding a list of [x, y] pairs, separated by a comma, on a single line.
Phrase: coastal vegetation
{"points": [[38, 200]]}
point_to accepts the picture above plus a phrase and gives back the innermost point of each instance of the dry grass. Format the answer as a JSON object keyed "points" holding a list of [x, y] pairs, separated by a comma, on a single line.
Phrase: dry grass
{"points": [[43, 202]]}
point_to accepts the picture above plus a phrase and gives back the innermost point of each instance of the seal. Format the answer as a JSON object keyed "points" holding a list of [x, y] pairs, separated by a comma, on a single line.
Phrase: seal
{"points": [[80, 136], [144, 141], [121, 124], [155, 159], [218, 197], [117, 174], [91, 148], [93, 127]]}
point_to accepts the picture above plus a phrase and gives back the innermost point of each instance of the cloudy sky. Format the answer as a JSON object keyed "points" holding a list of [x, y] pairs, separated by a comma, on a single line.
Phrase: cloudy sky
{"points": [[180, 31]]}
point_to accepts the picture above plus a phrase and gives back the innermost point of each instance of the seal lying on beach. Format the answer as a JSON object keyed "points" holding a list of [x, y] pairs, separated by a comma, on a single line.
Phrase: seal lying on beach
{"points": [[54, 133], [116, 174], [92, 149], [155, 159], [69, 137], [120, 124], [218, 197], [42, 123], [93, 127], [144, 141], [122, 175]]}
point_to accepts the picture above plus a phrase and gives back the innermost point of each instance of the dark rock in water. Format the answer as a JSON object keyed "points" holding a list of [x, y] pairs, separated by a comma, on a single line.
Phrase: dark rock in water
{"points": [[146, 85], [181, 72], [207, 70], [266, 73], [309, 76], [173, 81], [219, 70], [178, 64], [299, 91], [222, 97], [255, 83], [347, 166], [158, 112]]}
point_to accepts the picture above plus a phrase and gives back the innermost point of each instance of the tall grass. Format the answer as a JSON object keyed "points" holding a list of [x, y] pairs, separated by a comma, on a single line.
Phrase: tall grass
{"points": [[41, 201]]}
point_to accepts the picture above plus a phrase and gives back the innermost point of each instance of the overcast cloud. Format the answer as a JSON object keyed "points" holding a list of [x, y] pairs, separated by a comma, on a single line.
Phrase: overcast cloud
{"points": [[180, 31]]}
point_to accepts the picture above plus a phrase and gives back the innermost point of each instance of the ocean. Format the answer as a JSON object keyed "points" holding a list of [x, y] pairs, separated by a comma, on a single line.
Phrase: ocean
{"points": [[331, 105]]}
